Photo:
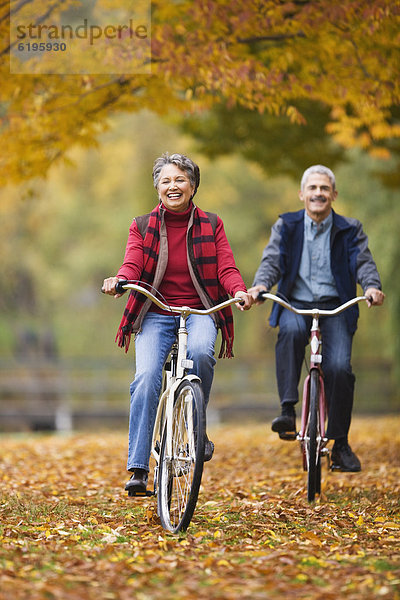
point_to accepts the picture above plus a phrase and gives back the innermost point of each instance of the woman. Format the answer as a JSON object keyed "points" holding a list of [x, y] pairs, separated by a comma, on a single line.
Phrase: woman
{"points": [[184, 254]]}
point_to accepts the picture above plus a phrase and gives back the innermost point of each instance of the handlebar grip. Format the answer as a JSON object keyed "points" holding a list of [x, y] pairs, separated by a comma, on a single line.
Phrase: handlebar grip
{"points": [[119, 287], [239, 301], [260, 297]]}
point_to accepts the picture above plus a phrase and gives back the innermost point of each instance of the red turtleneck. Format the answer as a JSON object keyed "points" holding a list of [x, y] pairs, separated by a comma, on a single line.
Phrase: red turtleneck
{"points": [[177, 286]]}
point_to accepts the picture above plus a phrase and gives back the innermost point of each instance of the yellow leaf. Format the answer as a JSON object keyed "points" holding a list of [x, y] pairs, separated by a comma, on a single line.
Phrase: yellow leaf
{"points": [[392, 525], [200, 534], [312, 537], [149, 514], [93, 520], [223, 563], [217, 533]]}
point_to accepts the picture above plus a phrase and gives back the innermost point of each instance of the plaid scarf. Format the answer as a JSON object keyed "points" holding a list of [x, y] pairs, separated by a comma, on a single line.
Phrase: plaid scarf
{"points": [[204, 261]]}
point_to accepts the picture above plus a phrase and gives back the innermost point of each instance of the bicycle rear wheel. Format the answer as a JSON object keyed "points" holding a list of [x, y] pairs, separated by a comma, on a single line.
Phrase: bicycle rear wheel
{"points": [[312, 439], [180, 470]]}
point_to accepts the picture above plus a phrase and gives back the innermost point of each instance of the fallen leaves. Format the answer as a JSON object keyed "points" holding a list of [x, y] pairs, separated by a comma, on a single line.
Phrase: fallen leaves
{"points": [[68, 530]]}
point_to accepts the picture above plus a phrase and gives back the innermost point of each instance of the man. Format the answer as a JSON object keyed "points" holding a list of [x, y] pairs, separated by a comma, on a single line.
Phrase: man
{"points": [[317, 257]]}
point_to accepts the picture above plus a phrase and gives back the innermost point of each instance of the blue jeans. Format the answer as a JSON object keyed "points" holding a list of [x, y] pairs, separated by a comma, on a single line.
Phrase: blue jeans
{"points": [[152, 346], [293, 337]]}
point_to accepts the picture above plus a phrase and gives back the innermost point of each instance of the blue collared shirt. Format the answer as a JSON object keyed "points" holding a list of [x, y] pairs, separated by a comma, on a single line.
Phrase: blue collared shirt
{"points": [[315, 281]]}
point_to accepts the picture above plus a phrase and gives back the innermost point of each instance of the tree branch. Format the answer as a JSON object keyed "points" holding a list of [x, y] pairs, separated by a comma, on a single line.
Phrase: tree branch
{"points": [[270, 38], [121, 81]]}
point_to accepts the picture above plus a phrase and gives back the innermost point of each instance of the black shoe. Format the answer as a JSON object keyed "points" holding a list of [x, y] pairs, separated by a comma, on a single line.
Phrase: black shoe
{"points": [[285, 425], [344, 459], [138, 482], [208, 449]]}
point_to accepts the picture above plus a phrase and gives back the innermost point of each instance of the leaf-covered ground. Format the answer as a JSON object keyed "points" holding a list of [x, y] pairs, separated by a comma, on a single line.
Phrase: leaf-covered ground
{"points": [[68, 530]]}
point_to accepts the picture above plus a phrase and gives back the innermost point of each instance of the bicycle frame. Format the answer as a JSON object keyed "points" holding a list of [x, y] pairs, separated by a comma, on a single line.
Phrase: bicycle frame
{"points": [[165, 406]]}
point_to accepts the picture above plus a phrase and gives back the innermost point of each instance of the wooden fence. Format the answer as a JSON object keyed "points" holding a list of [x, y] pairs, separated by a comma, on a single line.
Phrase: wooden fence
{"points": [[71, 395]]}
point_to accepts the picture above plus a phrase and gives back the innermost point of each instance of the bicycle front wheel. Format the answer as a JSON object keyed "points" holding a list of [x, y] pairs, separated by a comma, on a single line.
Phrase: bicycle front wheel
{"points": [[182, 460], [312, 439]]}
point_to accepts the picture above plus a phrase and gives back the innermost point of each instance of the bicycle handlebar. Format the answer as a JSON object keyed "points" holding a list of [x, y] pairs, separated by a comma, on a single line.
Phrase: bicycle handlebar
{"points": [[122, 286], [311, 311]]}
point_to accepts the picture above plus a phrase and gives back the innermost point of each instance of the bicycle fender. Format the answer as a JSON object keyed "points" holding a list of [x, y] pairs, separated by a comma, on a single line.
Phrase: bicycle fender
{"points": [[171, 392], [191, 378], [177, 383]]}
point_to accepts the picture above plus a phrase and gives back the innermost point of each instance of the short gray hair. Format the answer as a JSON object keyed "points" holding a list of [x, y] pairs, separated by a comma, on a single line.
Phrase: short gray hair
{"points": [[183, 163], [322, 171]]}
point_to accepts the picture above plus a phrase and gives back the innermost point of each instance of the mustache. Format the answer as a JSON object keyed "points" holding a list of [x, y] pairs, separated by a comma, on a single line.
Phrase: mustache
{"points": [[318, 199]]}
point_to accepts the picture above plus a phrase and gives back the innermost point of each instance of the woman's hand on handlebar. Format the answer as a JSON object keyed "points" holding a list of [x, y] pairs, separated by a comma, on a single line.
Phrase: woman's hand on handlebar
{"points": [[109, 286], [247, 300]]}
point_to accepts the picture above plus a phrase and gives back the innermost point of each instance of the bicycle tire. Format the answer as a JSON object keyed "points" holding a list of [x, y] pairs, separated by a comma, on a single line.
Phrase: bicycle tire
{"points": [[179, 475], [318, 477], [312, 453]]}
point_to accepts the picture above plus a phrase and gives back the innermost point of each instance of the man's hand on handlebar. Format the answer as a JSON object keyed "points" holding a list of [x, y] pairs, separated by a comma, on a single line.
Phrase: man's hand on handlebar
{"points": [[374, 296], [256, 291], [109, 286]]}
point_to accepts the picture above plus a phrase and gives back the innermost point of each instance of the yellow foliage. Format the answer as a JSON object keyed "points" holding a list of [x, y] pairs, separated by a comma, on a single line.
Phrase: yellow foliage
{"points": [[264, 56]]}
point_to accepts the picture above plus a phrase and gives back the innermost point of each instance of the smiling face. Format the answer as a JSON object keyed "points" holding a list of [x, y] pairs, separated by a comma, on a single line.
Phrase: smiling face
{"points": [[318, 195], [174, 188]]}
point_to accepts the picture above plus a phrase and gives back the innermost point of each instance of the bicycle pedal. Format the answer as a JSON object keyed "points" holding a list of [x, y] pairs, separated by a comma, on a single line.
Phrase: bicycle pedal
{"points": [[336, 468], [288, 436], [133, 493]]}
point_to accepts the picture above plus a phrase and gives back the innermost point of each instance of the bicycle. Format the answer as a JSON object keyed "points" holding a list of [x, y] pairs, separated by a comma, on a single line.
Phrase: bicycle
{"points": [[312, 438], [180, 427]]}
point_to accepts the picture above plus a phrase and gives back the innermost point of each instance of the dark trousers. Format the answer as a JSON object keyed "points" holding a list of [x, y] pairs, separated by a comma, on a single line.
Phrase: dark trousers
{"points": [[293, 337]]}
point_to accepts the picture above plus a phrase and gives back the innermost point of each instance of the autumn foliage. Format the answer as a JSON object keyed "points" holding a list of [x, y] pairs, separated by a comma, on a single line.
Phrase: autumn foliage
{"points": [[68, 530], [264, 56]]}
